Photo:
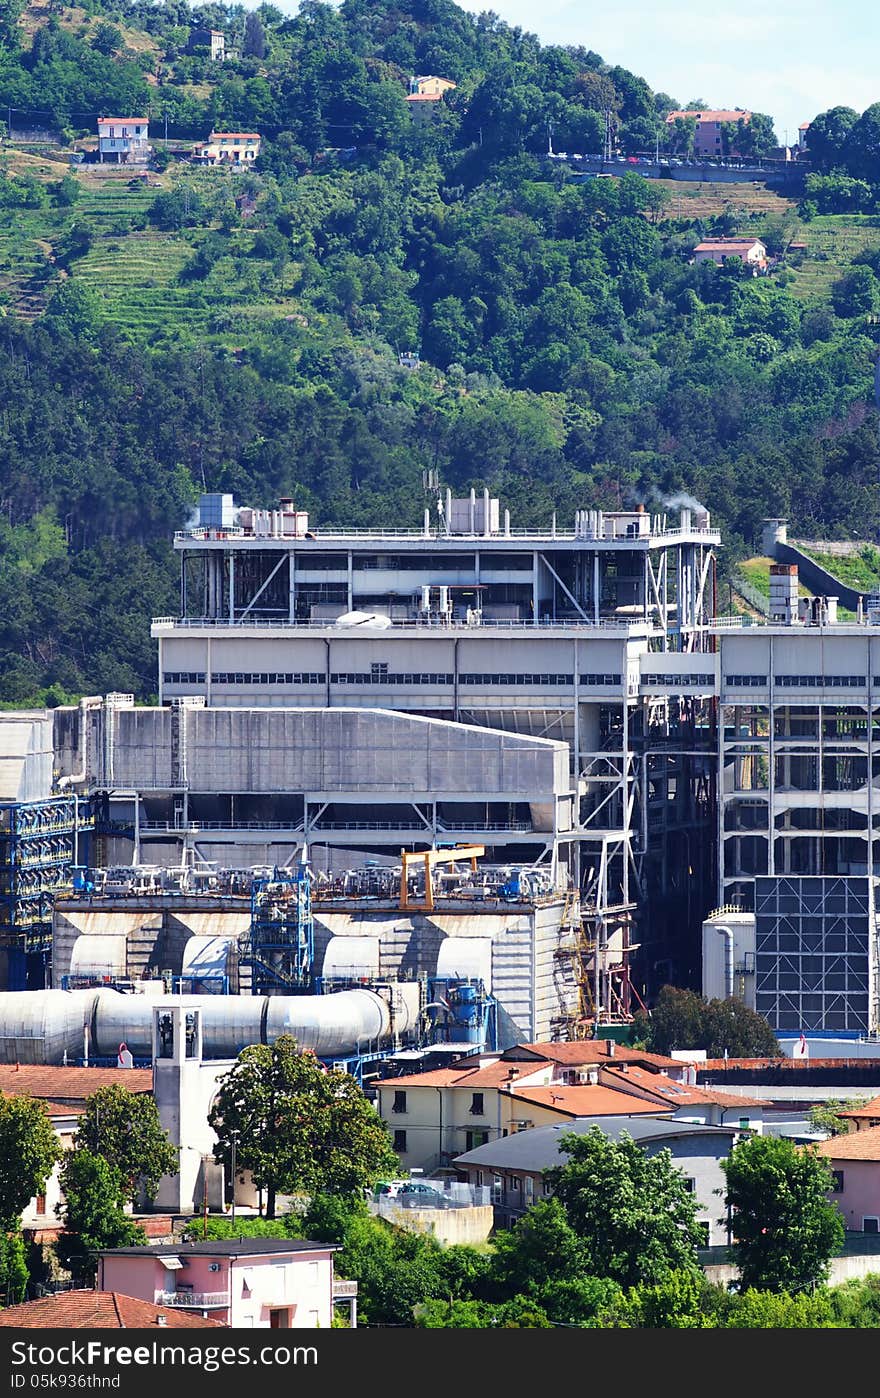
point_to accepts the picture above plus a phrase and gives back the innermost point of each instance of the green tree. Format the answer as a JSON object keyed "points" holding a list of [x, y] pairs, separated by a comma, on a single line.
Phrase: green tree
{"points": [[681, 1019], [784, 1228], [124, 1128], [94, 1214], [298, 1127], [631, 1210], [29, 1151], [520, 1313], [14, 1272], [827, 137], [675, 1303], [823, 1116], [856, 293]]}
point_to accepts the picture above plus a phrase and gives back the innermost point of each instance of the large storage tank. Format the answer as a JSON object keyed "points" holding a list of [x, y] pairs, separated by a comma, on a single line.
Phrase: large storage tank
{"points": [[42, 1026]]}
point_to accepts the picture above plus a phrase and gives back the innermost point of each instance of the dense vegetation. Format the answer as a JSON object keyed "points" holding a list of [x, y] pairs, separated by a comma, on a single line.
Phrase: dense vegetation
{"points": [[571, 354]]}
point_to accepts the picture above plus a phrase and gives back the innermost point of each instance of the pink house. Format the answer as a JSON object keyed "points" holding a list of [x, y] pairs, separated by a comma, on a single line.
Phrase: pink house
{"points": [[855, 1160], [259, 1283]]}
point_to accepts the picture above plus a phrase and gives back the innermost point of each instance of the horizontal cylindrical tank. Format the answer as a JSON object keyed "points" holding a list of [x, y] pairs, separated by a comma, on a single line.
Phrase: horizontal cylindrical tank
{"points": [[329, 1024], [38, 1026]]}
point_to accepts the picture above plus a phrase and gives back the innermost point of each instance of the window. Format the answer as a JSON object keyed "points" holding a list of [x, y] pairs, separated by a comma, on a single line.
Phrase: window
{"points": [[744, 1123], [515, 1183], [497, 1186], [477, 1104], [871, 1224], [400, 1142], [399, 1102], [40, 1203], [476, 1138], [837, 1187], [690, 1184], [704, 1230]]}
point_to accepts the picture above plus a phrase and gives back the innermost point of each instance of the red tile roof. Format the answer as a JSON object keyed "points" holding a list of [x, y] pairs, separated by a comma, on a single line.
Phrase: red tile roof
{"points": [[855, 1145], [588, 1101], [871, 1110], [99, 1310], [584, 1051], [677, 1093], [125, 121], [492, 1075], [58, 1084]]}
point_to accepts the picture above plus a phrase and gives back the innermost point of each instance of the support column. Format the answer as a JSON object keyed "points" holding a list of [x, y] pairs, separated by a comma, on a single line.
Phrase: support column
{"points": [[291, 586], [596, 581], [231, 585], [350, 582]]}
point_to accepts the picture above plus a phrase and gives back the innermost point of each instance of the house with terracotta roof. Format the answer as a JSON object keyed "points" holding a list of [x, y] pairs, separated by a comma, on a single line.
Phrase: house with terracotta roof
{"points": [[434, 1116], [708, 138], [65, 1092], [514, 1166], [700, 1105], [100, 1310], [124, 139], [750, 251], [855, 1162], [258, 1283], [238, 148], [862, 1118], [425, 96]]}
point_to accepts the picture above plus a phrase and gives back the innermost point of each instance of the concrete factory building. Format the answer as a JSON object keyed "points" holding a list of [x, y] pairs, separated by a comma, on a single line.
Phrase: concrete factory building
{"points": [[523, 766]]}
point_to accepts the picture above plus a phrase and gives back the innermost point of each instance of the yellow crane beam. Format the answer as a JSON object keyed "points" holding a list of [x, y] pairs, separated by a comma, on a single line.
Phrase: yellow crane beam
{"points": [[430, 857]]}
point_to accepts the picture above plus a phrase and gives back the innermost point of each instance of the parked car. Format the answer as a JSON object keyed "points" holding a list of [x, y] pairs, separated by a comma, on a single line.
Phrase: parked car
{"points": [[416, 1195]]}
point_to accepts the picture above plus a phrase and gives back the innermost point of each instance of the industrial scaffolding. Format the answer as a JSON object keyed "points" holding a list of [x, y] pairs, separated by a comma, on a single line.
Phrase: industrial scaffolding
{"points": [[280, 945], [40, 842]]}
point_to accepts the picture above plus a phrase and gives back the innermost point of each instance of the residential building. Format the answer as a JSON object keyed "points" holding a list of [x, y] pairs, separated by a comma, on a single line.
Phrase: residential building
{"points": [[803, 137], [435, 1115], [238, 148], [64, 1092], [862, 1118], [514, 1166], [100, 1310], [258, 1283], [124, 139], [425, 96], [751, 251], [430, 84], [212, 40], [855, 1162], [708, 138]]}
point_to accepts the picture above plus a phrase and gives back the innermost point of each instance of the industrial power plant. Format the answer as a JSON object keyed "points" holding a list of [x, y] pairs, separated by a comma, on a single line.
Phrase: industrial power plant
{"points": [[459, 786]]}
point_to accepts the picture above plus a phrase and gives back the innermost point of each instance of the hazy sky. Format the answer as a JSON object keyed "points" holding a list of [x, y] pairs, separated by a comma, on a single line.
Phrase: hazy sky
{"points": [[793, 58]]}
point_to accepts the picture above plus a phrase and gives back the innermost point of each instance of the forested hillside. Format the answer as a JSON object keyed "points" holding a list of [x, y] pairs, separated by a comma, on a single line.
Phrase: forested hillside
{"points": [[242, 332]]}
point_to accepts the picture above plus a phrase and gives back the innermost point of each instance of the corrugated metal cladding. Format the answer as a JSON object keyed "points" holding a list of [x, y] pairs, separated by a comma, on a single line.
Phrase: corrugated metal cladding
{"points": [[284, 750], [26, 757]]}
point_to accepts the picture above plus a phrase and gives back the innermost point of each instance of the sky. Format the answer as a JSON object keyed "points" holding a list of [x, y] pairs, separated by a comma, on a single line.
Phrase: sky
{"points": [[792, 59]]}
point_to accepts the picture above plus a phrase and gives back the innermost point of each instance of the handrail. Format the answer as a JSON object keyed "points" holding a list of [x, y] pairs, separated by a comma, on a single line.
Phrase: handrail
{"points": [[192, 1299], [432, 625], [211, 534]]}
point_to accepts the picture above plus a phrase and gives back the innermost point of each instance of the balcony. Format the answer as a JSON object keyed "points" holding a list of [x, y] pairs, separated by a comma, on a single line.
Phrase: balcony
{"points": [[193, 1300]]}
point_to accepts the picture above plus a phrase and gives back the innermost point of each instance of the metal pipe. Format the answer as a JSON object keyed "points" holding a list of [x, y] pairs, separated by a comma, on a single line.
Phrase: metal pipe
{"points": [[728, 960], [90, 701], [38, 1026]]}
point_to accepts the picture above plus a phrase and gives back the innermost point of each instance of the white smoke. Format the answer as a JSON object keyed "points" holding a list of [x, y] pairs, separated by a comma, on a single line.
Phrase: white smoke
{"points": [[683, 501]]}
